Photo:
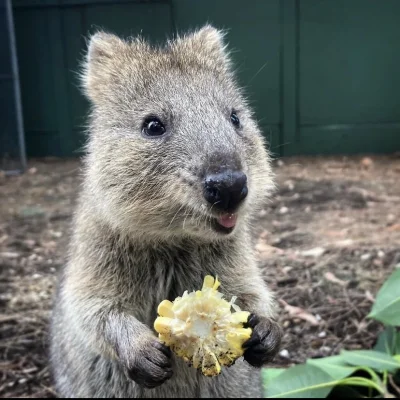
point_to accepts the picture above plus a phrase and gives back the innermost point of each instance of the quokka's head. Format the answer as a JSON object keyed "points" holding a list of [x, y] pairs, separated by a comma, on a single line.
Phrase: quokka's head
{"points": [[173, 148]]}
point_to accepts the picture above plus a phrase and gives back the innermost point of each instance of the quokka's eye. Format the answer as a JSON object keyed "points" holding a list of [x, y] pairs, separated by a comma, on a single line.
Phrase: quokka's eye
{"points": [[235, 119], [152, 126]]}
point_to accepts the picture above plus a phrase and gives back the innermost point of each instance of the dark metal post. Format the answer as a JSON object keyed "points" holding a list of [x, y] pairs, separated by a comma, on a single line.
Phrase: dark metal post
{"points": [[17, 91]]}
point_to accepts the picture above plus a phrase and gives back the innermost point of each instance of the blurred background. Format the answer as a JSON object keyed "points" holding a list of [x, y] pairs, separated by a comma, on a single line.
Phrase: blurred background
{"points": [[323, 77]]}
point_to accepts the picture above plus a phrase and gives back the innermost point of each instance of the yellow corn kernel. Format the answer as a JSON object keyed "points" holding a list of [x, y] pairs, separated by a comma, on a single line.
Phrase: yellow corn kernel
{"points": [[201, 328]]}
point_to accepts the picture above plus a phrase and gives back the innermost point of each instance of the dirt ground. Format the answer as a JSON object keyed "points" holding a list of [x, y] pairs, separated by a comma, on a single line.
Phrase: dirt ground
{"points": [[326, 241]]}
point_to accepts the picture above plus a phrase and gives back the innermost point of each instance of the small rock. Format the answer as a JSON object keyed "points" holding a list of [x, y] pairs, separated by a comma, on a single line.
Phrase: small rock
{"points": [[287, 269], [298, 329], [263, 213], [344, 243], [56, 234], [36, 276], [365, 257], [32, 170], [315, 252], [322, 335], [289, 185], [280, 163], [283, 210], [367, 162], [307, 209], [326, 349], [284, 353], [48, 245], [286, 324]]}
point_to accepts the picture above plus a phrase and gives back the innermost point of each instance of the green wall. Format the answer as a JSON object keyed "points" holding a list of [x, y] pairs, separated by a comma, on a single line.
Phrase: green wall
{"points": [[322, 74]]}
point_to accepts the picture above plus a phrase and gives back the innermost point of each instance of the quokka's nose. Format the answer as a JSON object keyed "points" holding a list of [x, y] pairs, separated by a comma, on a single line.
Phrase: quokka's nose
{"points": [[226, 190]]}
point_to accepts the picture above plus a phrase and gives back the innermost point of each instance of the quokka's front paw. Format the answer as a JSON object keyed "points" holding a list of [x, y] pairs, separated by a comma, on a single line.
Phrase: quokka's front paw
{"points": [[151, 364], [264, 342]]}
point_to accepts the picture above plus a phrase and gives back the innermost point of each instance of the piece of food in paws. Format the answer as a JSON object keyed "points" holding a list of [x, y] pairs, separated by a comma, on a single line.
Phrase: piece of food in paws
{"points": [[201, 328]]}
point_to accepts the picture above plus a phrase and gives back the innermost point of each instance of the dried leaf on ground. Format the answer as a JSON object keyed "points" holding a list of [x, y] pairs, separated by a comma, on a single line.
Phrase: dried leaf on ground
{"points": [[297, 312], [332, 278]]}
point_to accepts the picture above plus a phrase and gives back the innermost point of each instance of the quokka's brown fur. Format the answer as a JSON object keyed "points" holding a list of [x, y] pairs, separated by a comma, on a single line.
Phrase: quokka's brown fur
{"points": [[143, 231]]}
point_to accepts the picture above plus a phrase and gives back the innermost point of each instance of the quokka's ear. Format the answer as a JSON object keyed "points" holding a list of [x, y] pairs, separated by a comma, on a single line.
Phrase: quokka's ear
{"points": [[206, 44], [104, 50]]}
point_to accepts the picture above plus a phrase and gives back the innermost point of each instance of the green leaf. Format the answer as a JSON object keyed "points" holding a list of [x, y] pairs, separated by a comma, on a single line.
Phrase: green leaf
{"points": [[397, 349], [333, 360], [336, 367], [389, 341], [373, 359], [387, 305], [269, 374], [363, 382], [302, 381]]}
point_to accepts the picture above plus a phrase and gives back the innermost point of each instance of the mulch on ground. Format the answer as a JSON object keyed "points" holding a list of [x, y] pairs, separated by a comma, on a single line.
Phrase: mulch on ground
{"points": [[326, 242]]}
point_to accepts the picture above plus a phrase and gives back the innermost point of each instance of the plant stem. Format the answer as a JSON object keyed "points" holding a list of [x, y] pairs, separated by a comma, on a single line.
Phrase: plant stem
{"points": [[363, 383]]}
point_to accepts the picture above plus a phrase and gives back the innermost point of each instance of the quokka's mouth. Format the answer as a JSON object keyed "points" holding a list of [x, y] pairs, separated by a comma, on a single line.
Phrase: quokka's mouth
{"points": [[227, 220], [225, 223]]}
